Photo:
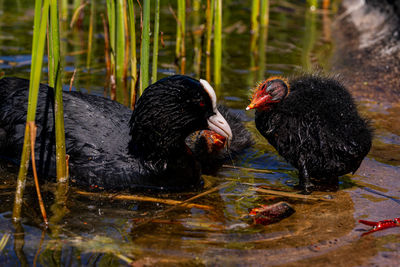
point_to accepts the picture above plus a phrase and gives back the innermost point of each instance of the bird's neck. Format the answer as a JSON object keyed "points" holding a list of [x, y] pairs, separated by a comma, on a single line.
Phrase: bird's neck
{"points": [[153, 147], [168, 161]]}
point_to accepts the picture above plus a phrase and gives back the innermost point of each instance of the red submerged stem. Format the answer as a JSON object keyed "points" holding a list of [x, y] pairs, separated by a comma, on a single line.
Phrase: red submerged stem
{"points": [[380, 225]]}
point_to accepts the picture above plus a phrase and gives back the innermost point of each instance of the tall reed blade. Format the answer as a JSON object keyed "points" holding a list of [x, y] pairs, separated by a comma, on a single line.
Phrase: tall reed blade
{"points": [[111, 33], [181, 6], [144, 52], [313, 4], [264, 21], [264, 15], [56, 83], [309, 35], [155, 43], [255, 13], [90, 34], [120, 48], [181, 34], [218, 42], [106, 55], [133, 59], [64, 10], [197, 34], [39, 40], [111, 22], [126, 59], [209, 21]]}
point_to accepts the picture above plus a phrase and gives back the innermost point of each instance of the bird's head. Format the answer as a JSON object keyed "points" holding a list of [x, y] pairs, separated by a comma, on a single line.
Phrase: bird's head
{"points": [[271, 91], [171, 109]]}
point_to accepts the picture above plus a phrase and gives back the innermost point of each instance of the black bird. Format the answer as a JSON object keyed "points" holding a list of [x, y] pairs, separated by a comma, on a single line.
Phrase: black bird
{"points": [[110, 146], [313, 123]]}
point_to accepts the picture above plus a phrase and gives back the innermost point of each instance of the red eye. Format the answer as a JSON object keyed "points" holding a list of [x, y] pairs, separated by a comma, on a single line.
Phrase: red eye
{"points": [[201, 104]]}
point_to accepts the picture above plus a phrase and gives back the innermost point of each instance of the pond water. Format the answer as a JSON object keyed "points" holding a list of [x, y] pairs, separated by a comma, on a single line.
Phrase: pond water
{"points": [[101, 230]]}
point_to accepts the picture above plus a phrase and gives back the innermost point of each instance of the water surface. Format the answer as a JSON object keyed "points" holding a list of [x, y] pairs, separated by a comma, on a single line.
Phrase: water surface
{"points": [[103, 231]]}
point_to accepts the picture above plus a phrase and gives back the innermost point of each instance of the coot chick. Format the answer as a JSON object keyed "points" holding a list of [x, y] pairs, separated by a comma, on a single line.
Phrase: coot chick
{"points": [[111, 147], [313, 123], [208, 146]]}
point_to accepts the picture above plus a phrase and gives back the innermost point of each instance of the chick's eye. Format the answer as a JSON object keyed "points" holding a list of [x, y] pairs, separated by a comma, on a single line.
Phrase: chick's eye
{"points": [[264, 87]]}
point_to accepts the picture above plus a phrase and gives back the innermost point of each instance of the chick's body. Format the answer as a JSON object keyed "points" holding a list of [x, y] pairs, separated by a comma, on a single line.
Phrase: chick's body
{"points": [[316, 127]]}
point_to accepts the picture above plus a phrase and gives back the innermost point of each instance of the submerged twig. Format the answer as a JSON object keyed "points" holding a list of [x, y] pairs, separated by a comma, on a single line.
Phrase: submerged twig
{"points": [[183, 203], [287, 194], [124, 258], [247, 169], [143, 198]]}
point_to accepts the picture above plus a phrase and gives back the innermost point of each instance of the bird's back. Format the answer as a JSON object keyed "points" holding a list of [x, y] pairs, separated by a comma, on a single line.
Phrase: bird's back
{"points": [[97, 133]]}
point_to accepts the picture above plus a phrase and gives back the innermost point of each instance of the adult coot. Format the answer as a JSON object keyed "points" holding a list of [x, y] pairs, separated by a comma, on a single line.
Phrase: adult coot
{"points": [[313, 123], [109, 146]]}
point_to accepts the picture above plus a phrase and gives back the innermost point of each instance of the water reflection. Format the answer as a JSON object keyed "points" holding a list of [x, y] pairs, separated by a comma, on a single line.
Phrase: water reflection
{"points": [[90, 231]]}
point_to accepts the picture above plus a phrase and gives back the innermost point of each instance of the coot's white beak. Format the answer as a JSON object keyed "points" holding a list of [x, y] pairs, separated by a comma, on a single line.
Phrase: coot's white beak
{"points": [[217, 122]]}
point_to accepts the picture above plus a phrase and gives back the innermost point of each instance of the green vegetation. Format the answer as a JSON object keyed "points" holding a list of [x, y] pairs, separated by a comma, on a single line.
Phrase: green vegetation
{"points": [[145, 49], [218, 42], [38, 43], [155, 43]]}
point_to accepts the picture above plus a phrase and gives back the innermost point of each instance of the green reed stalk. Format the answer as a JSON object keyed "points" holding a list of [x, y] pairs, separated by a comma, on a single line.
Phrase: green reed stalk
{"points": [[155, 43], [64, 9], [209, 21], [120, 46], [264, 15], [111, 28], [76, 4], [179, 28], [126, 59], [111, 34], [197, 34], [133, 57], [181, 53], [255, 13], [218, 42], [38, 44], [313, 4], [144, 51], [309, 39], [90, 34], [264, 21], [56, 84]]}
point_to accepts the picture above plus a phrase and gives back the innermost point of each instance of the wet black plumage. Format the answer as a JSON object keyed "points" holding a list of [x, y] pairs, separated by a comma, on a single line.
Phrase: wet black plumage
{"points": [[313, 122], [109, 146]]}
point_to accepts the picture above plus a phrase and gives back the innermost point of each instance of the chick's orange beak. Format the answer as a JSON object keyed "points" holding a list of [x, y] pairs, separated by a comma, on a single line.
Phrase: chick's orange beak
{"points": [[258, 101]]}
